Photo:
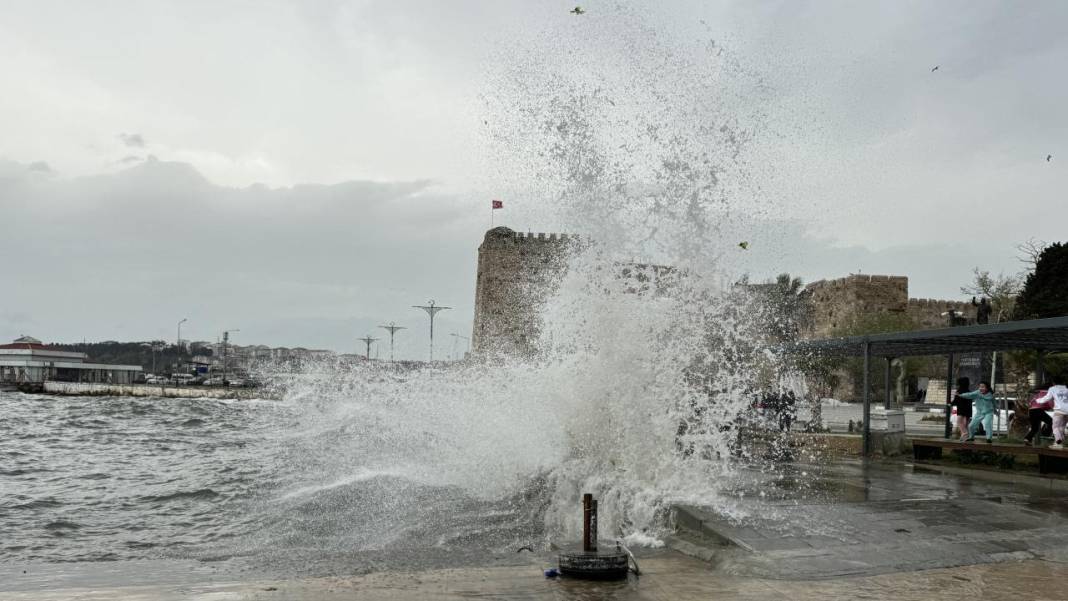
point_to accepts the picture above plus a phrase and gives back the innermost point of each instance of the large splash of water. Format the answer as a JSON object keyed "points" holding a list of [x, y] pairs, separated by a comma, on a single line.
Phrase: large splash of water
{"points": [[639, 144]]}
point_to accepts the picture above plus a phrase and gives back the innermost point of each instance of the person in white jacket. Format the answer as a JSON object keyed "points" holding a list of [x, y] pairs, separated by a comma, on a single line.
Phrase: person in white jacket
{"points": [[1058, 393]]}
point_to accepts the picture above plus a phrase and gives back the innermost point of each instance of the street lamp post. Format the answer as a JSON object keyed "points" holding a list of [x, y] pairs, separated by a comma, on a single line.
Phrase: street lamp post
{"points": [[392, 329], [431, 310], [456, 338], [226, 341], [368, 340], [180, 339], [952, 314]]}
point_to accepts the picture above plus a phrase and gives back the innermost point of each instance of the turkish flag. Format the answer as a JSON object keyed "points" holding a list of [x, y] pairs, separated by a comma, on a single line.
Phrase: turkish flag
{"points": [[497, 204]]}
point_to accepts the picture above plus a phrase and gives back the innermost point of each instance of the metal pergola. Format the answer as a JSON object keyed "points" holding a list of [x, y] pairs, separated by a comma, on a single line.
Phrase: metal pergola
{"points": [[1042, 335]]}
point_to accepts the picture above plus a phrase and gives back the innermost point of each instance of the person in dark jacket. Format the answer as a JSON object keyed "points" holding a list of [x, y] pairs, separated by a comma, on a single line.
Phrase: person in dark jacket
{"points": [[1037, 416], [964, 415]]}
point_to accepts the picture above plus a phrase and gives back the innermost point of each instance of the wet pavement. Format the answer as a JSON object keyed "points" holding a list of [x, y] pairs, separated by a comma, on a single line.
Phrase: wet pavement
{"points": [[668, 576], [851, 519]]}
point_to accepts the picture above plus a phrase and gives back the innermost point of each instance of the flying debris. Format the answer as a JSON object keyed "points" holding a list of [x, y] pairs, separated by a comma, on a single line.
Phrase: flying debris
{"points": [[578, 11], [743, 245], [1049, 157], [935, 68]]}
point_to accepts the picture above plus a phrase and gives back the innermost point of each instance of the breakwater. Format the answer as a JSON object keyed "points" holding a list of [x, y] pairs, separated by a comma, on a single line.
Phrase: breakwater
{"points": [[148, 390]]}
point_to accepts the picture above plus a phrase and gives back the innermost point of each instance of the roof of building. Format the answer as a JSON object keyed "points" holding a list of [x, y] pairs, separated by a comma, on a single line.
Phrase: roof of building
{"points": [[24, 342], [1034, 334]]}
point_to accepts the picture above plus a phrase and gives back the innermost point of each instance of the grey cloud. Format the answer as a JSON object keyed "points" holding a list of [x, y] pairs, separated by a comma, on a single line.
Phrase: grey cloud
{"points": [[122, 255], [132, 140], [125, 255]]}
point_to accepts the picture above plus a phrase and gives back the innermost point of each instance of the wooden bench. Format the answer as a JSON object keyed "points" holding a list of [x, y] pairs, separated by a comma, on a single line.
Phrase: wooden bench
{"points": [[1049, 460]]}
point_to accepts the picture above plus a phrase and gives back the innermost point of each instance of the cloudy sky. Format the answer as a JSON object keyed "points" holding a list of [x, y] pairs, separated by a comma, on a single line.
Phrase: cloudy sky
{"points": [[307, 171]]}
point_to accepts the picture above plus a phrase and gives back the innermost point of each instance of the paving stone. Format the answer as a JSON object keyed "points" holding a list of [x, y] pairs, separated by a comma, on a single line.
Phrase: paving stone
{"points": [[779, 544], [980, 522]]}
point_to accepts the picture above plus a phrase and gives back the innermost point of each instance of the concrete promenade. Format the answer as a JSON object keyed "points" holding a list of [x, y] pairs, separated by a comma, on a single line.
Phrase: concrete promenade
{"points": [[859, 519], [667, 576]]}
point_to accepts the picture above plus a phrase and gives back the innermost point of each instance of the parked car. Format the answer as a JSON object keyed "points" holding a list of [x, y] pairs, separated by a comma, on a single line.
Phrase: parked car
{"points": [[216, 381]]}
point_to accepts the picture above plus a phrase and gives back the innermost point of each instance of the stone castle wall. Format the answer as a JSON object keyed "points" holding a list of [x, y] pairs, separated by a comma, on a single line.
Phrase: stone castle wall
{"points": [[927, 312], [839, 304], [518, 271]]}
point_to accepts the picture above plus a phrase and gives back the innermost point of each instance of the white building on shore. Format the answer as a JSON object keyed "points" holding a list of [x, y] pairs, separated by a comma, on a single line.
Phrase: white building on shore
{"points": [[26, 361]]}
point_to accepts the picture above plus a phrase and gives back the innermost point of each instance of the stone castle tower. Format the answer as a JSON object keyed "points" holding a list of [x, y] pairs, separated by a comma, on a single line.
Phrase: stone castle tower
{"points": [[516, 273]]}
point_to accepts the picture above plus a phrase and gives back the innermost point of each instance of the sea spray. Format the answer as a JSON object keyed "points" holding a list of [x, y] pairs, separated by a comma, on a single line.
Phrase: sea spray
{"points": [[635, 391]]}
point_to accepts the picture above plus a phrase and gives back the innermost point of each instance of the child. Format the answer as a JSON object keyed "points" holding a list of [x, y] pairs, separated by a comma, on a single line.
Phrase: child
{"points": [[984, 411], [1037, 416], [964, 414], [1058, 393]]}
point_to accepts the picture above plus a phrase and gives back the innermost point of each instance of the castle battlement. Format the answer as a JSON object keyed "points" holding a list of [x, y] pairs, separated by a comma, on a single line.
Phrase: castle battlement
{"points": [[937, 302], [540, 237], [502, 236], [858, 278]]}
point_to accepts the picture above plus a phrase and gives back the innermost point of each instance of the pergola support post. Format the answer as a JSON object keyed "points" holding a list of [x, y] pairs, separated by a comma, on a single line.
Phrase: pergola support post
{"points": [[867, 398], [1040, 369], [888, 402], [949, 395]]}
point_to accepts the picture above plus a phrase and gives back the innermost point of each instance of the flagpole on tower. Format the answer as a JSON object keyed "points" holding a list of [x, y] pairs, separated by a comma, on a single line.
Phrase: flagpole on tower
{"points": [[494, 205]]}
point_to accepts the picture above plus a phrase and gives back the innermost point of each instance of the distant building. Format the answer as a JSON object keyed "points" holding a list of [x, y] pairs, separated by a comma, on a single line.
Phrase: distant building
{"points": [[28, 361]]}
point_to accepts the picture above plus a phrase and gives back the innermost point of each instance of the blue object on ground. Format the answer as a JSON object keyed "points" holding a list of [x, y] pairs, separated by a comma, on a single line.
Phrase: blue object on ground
{"points": [[552, 573]]}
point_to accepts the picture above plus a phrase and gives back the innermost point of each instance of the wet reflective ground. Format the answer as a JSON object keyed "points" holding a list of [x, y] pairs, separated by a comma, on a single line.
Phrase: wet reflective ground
{"points": [[668, 576], [858, 519]]}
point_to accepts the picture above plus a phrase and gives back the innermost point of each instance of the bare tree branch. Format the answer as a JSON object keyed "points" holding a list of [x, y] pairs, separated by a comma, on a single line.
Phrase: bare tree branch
{"points": [[1030, 251]]}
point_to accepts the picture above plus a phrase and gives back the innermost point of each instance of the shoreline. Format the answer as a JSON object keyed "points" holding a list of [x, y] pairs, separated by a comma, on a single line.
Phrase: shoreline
{"points": [[147, 390]]}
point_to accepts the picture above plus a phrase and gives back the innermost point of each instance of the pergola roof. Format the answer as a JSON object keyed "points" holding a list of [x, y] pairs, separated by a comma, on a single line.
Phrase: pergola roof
{"points": [[1049, 334]]}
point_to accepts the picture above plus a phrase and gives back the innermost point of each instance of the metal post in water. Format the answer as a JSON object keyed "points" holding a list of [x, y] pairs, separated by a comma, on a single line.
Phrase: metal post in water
{"points": [[587, 513], [590, 562], [593, 526]]}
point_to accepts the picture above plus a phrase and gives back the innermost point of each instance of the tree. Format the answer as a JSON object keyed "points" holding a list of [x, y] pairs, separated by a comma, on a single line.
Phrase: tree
{"points": [[786, 310], [1030, 251], [1045, 292], [1001, 290]]}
